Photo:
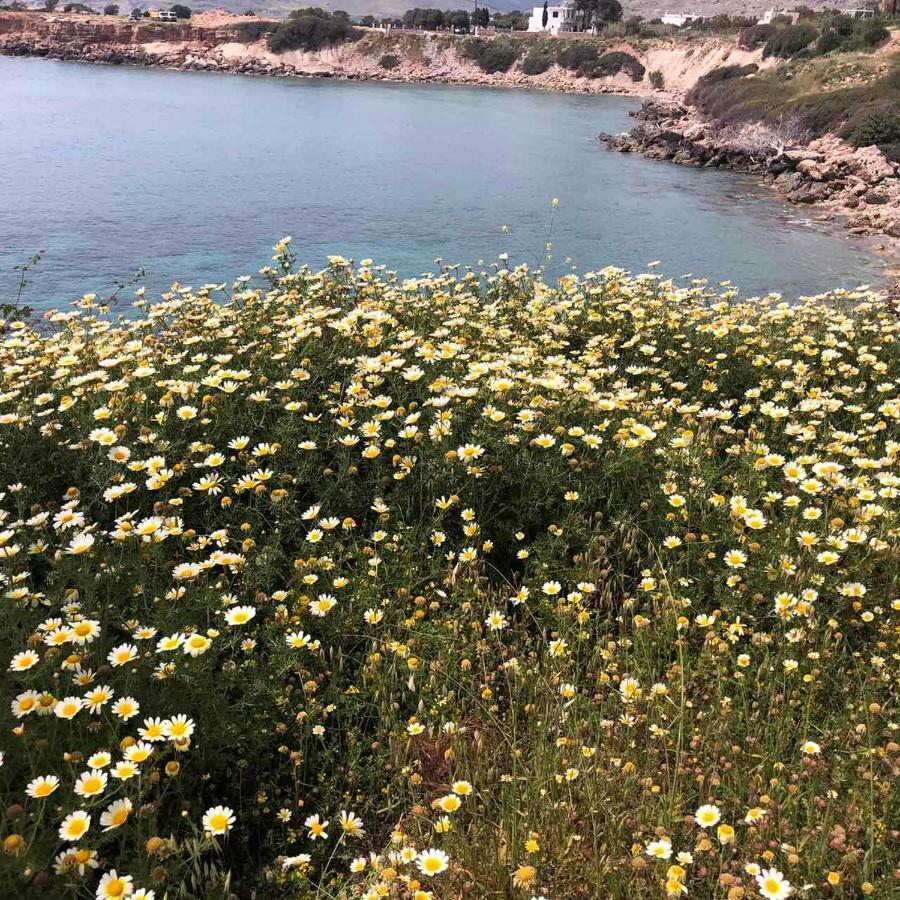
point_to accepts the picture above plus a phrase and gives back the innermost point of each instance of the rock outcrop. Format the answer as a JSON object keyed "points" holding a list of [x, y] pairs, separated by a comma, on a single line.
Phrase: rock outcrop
{"points": [[858, 185]]}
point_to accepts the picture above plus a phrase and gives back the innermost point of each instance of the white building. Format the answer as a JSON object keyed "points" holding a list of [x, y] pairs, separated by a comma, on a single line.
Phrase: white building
{"points": [[770, 14], [679, 19], [559, 18]]}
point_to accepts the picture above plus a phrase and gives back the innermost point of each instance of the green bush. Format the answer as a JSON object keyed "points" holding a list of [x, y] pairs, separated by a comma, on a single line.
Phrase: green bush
{"points": [[576, 55], [724, 73], [535, 62], [845, 34], [657, 79], [617, 61], [867, 34], [309, 29], [828, 40], [789, 42], [755, 36], [248, 32], [878, 127], [492, 56], [389, 61]]}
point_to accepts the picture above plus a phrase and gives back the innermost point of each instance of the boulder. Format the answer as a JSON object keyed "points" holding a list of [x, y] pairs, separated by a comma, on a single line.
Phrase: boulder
{"points": [[787, 182], [871, 165]]}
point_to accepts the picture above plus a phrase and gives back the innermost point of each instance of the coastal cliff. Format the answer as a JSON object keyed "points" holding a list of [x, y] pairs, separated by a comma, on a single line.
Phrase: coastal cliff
{"points": [[229, 46]]}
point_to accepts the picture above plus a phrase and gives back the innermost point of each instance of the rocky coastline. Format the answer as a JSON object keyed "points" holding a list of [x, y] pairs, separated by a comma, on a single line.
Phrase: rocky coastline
{"points": [[858, 187]]}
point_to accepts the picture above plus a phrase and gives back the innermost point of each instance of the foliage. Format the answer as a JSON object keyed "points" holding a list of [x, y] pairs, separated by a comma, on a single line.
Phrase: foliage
{"points": [[514, 21], [877, 126], [599, 12], [248, 32], [111, 9], [755, 36], [657, 79], [493, 56], [429, 19], [842, 33], [724, 73], [309, 29], [182, 11], [510, 588], [389, 61], [618, 61], [789, 42], [575, 55], [772, 98], [536, 61]]}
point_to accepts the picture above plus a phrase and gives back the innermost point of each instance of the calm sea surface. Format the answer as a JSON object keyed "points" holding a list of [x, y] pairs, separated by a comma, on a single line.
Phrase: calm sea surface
{"points": [[194, 176]]}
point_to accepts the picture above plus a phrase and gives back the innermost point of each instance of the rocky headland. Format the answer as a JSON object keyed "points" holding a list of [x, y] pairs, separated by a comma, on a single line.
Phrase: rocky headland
{"points": [[858, 186]]}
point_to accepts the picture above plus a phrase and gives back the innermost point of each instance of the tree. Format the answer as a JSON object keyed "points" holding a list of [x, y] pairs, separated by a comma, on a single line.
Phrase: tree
{"points": [[588, 9], [50, 5], [457, 18], [544, 16], [183, 12], [609, 11], [111, 9]]}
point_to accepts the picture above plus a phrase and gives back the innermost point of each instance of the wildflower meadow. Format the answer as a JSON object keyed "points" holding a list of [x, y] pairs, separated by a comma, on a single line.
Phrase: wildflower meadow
{"points": [[471, 585]]}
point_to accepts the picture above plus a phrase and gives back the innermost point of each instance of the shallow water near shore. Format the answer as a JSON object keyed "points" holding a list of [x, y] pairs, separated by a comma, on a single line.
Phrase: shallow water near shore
{"points": [[193, 176]]}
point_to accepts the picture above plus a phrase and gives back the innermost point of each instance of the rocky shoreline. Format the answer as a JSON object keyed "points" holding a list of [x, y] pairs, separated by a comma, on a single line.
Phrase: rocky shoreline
{"points": [[858, 187], [186, 58], [125, 55]]}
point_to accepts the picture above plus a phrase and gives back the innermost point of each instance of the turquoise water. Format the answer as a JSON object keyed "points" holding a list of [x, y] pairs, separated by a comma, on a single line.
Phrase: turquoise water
{"points": [[194, 176]]}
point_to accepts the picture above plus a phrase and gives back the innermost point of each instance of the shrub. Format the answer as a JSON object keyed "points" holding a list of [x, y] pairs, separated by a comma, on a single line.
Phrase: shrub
{"points": [[789, 42], [576, 55], [617, 61], [846, 34], [536, 62], [389, 61], [182, 11], [111, 9], [657, 79], [724, 73], [878, 126], [248, 32], [755, 36], [867, 34], [309, 29], [828, 40], [492, 56]]}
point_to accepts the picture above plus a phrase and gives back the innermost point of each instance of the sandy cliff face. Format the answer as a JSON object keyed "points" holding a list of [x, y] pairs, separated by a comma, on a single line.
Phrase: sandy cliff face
{"points": [[423, 57]]}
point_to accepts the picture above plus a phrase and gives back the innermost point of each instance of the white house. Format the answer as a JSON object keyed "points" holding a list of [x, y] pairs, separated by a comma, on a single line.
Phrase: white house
{"points": [[679, 19], [559, 18], [770, 14]]}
